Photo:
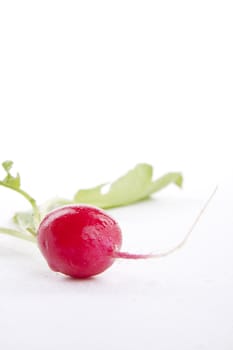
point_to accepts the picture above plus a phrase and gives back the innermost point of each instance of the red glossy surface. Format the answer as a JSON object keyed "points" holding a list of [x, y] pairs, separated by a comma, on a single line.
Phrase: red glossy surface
{"points": [[79, 240]]}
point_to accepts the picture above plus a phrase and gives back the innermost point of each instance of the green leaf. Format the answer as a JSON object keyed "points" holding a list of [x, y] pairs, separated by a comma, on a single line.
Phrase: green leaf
{"points": [[136, 185], [25, 221], [10, 180], [7, 165], [14, 183], [164, 181]]}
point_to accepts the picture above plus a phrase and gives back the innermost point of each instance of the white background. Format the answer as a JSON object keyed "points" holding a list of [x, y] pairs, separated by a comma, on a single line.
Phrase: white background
{"points": [[87, 90]]}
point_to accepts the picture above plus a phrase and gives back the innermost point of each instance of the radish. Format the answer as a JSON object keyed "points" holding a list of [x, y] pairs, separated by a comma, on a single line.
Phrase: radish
{"points": [[82, 240], [79, 241]]}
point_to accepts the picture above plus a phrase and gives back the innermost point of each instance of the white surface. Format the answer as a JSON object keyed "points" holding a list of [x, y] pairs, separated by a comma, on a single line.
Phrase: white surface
{"points": [[87, 90], [182, 301]]}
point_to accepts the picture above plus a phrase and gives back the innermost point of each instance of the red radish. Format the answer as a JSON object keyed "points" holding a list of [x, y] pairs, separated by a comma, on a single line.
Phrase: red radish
{"points": [[82, 241], [79, 241]]}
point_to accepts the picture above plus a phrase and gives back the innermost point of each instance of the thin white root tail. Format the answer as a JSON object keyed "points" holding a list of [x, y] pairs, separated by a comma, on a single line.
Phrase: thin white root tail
{"points": [[194, 224], [125, 255]]}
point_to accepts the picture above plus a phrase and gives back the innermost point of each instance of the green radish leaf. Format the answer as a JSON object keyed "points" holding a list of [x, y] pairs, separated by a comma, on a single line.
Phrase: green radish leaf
{"points": [[10, 180], [136, 185], [14, 183], [25, 221], [163, 181], [91, 195], [7, 165]]}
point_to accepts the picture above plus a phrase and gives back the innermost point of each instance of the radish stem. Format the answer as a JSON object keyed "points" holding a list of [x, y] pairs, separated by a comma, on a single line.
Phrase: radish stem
{"points": [[30, 200], [17, 234]]}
